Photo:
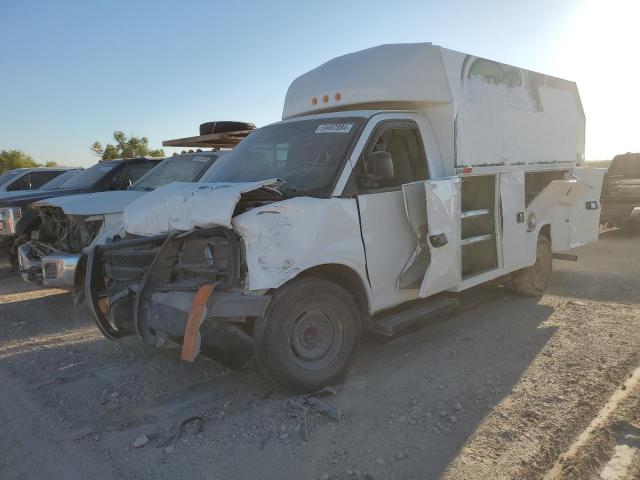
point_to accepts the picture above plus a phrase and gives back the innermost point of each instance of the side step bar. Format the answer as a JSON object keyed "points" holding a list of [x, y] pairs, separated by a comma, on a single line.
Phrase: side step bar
{"points": [[394, 323]]}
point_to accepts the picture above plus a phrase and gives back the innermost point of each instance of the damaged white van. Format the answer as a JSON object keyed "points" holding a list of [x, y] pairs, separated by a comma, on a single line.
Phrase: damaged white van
{"points": [[399, 175]]}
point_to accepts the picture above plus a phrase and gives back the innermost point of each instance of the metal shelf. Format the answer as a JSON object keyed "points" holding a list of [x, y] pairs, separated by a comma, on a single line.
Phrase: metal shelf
{"points": [[476, 239], [475, 213]]}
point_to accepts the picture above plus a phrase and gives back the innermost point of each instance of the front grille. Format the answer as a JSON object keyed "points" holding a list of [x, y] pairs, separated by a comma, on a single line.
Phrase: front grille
{"points": [[50, 271], [115, 259]]}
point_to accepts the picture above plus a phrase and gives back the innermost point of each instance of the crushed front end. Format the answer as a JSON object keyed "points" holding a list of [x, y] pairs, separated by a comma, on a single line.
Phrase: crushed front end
{"points": [[186, 288], [53, 257]]}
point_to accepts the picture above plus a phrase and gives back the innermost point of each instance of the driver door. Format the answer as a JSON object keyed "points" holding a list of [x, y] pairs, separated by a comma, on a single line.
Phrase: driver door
{"points": [[410, 225]]}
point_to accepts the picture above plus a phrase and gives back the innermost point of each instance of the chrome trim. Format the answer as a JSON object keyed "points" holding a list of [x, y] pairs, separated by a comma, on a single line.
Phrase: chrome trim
{"points": [[59, 271]]}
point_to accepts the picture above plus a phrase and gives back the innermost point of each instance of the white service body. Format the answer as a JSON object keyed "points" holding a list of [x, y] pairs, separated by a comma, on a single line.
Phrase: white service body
{"points": [[485, 128]]}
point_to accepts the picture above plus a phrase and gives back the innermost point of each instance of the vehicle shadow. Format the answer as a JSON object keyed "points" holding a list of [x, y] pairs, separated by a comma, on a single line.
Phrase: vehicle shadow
{"points": [[395, 393], [11, 282], [427, 392], [604, 286]]}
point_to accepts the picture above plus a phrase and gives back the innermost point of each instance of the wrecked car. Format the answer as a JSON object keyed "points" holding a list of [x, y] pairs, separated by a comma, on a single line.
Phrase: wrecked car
{"points": [[106, 175], [372, 203], [15, 216], [69, 224], [621, 192]]}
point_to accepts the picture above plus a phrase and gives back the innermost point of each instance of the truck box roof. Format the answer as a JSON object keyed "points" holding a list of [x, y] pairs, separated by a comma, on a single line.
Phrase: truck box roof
{"points": [[483, 112]]}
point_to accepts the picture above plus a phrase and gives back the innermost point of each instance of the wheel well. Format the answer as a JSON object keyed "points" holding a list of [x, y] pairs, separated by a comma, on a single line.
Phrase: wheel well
{"points": [[546, 231], [344, 276]]}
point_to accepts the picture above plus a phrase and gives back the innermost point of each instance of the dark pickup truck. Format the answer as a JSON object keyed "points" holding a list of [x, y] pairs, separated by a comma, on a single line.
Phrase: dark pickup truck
{"points": [[621, 192]]}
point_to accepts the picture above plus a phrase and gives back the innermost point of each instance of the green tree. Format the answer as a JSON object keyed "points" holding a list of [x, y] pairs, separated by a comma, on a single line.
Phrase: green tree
{"points": [[51, 164], [125, 147], [10, 159]]}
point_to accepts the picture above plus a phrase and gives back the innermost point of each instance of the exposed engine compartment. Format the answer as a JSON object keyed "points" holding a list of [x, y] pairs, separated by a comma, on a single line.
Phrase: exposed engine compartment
{"points": [[69, 233]]}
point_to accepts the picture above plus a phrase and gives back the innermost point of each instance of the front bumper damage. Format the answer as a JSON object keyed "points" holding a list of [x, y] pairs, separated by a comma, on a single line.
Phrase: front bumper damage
{"points": [[182, 287], [44, 265]]}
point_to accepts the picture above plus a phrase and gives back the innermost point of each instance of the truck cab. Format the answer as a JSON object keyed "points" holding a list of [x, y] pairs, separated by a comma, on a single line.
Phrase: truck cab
{"points": [[366, 208]]}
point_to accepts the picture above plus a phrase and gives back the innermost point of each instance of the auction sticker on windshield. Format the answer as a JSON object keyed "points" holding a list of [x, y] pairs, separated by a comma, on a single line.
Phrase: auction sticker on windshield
{"points": [[334, 128]]}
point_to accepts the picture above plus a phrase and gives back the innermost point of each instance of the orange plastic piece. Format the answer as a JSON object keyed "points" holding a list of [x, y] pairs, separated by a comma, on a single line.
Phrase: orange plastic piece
{"points": [[196, 317]]}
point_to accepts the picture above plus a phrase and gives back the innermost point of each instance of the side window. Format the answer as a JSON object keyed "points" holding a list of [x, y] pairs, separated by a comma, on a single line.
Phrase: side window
{"points": [[40, 178], [135, 170], [23, 183], [395, 156], [127, 174]]}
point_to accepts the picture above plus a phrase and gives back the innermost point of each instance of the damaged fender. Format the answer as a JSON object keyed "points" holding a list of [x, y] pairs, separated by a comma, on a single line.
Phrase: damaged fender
{"points": [[285, 238]]}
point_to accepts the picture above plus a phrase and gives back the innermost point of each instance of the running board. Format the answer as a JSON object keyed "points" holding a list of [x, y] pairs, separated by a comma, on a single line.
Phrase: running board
{"points": [[394, 323], [565, 256]]}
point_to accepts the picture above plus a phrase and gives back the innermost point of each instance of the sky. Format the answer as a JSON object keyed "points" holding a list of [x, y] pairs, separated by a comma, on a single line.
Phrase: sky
{"points": [[72, 72]]}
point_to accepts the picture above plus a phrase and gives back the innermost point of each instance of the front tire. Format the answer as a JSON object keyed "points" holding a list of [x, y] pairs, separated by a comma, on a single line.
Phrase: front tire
{"points": [[533, 281], [309, 335]]}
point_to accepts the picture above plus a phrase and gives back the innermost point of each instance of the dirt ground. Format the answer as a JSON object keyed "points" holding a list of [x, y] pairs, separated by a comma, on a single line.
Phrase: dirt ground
{"points": [[502, 389]]}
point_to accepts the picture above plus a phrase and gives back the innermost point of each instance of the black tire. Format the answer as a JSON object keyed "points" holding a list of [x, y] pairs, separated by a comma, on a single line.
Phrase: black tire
{"points": [[309, 335], [533, 281], [224, 127]]}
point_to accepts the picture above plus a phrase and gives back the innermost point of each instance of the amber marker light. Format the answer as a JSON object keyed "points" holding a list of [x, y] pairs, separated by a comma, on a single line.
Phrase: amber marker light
{"points": [[314, 101]]}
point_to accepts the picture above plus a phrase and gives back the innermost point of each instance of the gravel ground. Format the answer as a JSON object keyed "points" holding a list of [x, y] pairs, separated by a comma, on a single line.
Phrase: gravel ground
{"points": [[499, 390]]}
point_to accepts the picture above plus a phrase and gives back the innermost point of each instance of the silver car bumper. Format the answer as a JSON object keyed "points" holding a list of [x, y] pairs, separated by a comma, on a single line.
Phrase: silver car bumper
{"points": [[59, 271], [43, 265]]}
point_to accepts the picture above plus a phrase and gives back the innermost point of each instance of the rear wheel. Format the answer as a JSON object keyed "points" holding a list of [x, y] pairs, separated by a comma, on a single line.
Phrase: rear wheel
{"points": [[533, 281], [308, 336]]}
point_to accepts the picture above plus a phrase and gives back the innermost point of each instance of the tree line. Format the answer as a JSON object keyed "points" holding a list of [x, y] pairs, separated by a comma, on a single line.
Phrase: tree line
{"points": [[124, 146]]}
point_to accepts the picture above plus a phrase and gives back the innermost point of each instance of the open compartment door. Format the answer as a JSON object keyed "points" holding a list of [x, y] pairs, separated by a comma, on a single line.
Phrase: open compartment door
{"points": [[442, 236], [513, 222], [584, 214]]}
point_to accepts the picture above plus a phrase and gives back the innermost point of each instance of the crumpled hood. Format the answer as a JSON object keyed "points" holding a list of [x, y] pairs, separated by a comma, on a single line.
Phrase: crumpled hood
{"points": [[183, 206], [93, 203]]}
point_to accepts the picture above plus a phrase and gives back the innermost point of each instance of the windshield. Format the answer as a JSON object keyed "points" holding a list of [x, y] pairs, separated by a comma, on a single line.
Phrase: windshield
{"points": [[5, 177], [59, 180], [306, 154], [90, 176], [627, 166], [183, 168]]}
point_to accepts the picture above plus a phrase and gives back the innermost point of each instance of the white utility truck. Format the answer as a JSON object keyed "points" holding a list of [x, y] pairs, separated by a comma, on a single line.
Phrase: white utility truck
{"points": [[399, 175]]}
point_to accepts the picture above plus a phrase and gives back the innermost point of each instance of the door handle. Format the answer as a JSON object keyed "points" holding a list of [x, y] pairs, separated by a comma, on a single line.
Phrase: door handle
{"points": [[438, 240]]}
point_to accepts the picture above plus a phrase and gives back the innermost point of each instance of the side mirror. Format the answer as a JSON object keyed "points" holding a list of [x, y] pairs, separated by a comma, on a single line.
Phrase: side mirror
{"points": [[379, 166]]}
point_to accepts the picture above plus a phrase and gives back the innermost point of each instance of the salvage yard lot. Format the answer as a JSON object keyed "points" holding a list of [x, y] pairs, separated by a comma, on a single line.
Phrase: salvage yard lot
{"points": [[498, 390]]}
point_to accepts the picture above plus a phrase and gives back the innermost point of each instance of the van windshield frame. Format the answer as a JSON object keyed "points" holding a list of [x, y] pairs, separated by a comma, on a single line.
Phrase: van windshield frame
{"points": [[307, 155]]}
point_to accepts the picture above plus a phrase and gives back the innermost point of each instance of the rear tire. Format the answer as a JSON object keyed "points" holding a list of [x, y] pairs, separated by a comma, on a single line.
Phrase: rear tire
{"points": [[533, 281], [309, 335]]}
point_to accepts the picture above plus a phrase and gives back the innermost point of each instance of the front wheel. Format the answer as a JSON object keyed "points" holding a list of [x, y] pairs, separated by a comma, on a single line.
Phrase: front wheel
{"points": [[309, 334], [533, 281]]}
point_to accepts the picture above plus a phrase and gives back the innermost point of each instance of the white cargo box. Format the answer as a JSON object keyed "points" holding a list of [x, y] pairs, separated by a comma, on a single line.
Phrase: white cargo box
{"points": [[483, 112]]}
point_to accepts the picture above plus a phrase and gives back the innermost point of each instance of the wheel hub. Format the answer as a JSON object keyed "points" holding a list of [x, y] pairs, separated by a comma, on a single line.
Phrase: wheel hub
{"points": [[313, 335]]}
